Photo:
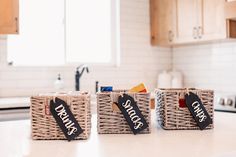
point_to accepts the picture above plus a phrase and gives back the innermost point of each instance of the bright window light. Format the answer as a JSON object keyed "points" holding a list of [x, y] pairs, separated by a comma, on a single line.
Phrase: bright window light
{"points": [[41, 38], [88, 31], [57, 32]]}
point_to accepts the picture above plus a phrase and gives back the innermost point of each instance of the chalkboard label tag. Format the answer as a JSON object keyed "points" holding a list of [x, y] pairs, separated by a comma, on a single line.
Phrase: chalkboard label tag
{"points": [[132, 114], [65, 119], [197, 110]]}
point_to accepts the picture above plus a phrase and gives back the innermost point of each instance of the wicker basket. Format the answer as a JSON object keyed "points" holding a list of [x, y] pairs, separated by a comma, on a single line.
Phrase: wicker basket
{"points": [[173, 117], [44, 126], [110, 121]]}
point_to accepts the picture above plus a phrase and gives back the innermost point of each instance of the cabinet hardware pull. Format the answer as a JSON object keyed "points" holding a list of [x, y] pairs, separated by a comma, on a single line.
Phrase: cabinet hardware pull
{"points": [[199, 32], [16, 19], [170, 36], [195, 32]]}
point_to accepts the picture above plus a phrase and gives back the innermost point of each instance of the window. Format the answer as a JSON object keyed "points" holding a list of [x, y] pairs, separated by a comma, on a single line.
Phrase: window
{"points": [[41, 35], [58, 32]]}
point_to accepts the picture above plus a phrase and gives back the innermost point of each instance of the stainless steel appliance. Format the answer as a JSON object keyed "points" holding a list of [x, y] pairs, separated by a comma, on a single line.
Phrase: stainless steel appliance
{"points": [[225, 103]]}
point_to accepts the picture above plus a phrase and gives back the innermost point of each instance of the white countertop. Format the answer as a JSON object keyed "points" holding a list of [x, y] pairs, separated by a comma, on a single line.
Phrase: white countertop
{"points": [[15, 141], [14, 108], [12, 102]]}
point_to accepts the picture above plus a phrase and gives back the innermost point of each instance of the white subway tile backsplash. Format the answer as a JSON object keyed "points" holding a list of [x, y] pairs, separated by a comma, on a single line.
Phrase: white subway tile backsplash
{"points": [[208, 66]]}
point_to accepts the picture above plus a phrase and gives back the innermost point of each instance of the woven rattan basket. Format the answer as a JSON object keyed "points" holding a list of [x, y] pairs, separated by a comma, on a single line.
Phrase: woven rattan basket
{"points": [[110, 121], [173, 117], [44, 126]]}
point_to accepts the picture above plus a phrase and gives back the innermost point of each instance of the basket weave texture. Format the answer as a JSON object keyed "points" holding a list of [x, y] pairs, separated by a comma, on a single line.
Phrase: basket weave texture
{"points": [[44, 126], [110, 121], [171, 116]]}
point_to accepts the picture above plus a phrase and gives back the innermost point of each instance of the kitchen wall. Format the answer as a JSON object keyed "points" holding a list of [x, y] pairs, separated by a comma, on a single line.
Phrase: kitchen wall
{"points": [[208, 66], [139, 61]]}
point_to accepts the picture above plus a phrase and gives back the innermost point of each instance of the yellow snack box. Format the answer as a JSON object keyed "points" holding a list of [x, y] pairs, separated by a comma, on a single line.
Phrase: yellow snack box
{"points": [[139, 88]]}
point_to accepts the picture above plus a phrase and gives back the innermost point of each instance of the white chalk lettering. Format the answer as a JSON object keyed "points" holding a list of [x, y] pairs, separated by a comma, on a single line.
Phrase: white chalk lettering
{"points": [[61, 112], [132, 114], [199, 112]]}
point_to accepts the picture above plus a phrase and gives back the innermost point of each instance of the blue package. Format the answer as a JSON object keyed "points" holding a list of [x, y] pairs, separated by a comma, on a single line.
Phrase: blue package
{"points": [[106, 89]]}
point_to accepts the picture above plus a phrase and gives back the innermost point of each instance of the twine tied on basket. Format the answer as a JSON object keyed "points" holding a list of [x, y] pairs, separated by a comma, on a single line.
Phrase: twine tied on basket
{"points": [[194, 90], [121, 94], [114, 96], [187, 91], [54, 97]]}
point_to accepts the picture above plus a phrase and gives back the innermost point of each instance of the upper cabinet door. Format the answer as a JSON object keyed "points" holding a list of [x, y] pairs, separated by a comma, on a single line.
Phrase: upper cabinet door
{"points": [[9, 13], [213, 24], [163, 17], [187, 17], [176, 22]]}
